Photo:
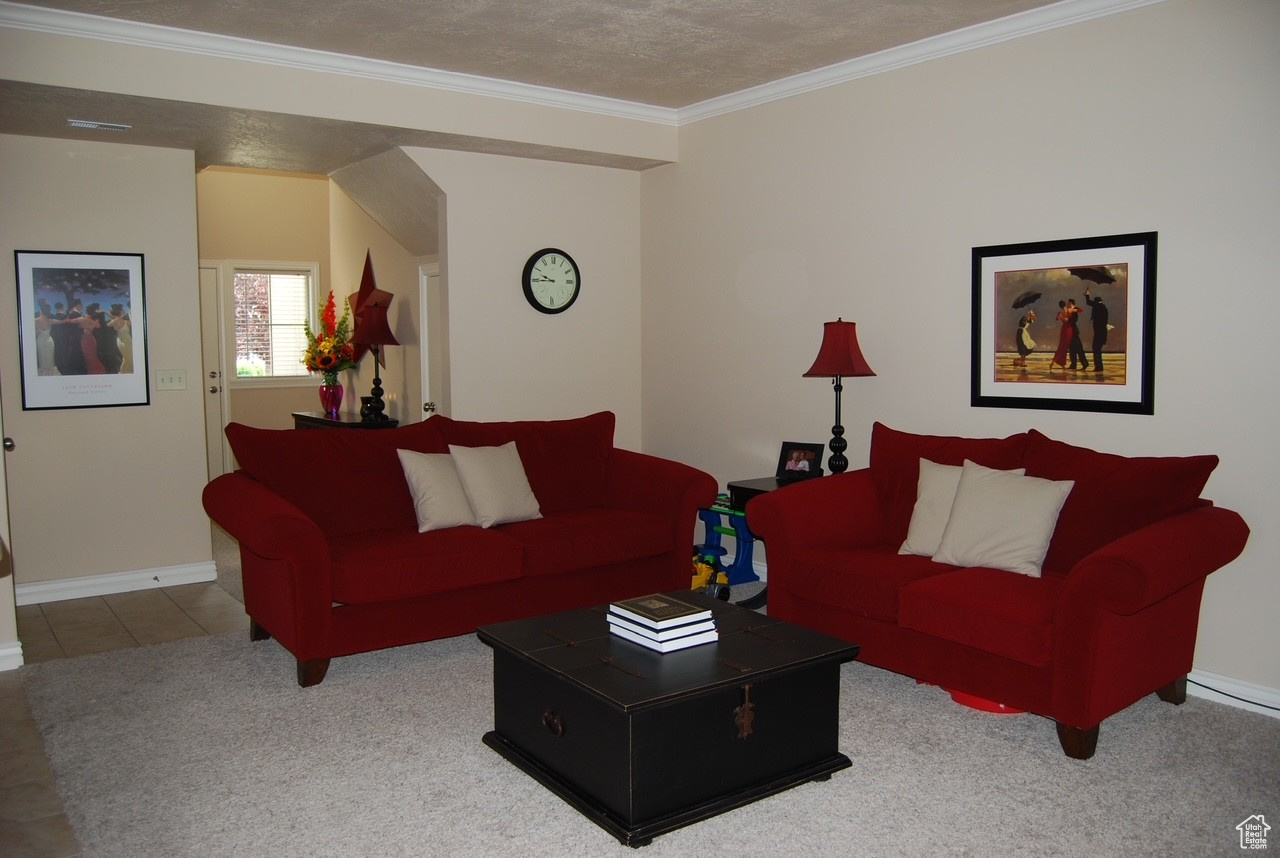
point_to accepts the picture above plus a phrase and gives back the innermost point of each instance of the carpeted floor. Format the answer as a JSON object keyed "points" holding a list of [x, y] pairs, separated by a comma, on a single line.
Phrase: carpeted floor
{"points": [[207, 747]]}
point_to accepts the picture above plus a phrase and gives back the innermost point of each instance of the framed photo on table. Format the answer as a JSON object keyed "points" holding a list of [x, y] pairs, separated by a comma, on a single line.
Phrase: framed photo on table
{"points": [[1065, 325], [82, 329], [798, 461]]}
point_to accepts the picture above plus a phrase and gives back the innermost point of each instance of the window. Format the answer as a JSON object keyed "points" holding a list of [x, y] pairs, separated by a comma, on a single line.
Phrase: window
{"points": [[270, 307]]}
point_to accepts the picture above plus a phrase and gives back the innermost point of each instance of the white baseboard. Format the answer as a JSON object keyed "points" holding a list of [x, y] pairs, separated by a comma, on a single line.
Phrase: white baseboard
{"points": [[38, 592], [1256, 697], [11, 656]]}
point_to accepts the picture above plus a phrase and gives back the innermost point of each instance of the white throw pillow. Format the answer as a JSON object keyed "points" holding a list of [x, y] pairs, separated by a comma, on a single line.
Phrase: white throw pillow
{"points": [[1001, 520], [935, 494], [495, 483], [438, 496]]}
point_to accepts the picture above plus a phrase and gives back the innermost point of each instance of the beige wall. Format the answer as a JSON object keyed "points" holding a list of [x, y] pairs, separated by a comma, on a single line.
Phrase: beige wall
{"points": [[509, 361], [104, 490], [261, 216], [864, 201]]}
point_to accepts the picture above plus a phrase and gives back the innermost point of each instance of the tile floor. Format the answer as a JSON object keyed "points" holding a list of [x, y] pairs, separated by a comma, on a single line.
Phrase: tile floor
{"points": [[32, 822]]}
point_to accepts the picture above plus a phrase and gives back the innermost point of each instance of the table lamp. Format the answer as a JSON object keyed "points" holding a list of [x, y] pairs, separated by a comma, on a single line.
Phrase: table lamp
{"points": [[839, 356], [373, 330]]}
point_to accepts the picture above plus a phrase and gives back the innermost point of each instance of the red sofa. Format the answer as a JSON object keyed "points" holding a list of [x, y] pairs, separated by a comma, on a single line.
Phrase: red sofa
{"points": [[1111, 618], [333, 562]]}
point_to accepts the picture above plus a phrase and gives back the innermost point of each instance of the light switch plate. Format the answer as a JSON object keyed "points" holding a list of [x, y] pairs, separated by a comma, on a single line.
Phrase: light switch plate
{"points": [[171, 379]]}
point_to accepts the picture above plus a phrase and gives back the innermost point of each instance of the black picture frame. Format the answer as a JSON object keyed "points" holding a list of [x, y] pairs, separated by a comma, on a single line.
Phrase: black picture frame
{"points": [[91, 357], [810, 455], [1022, 351]]}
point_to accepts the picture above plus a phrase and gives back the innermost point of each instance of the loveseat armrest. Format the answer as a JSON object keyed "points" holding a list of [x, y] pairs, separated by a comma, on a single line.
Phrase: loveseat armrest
{"points": [[839, 511], [1154, 562], [645, 483], [1126, 618]]}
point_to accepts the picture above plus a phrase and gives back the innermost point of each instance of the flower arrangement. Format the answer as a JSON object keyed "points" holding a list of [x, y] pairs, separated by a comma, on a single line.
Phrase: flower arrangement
{"points": [[330, 351]]}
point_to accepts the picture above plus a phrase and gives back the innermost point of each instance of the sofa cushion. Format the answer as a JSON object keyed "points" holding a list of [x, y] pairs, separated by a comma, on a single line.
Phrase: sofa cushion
{"points": [[895, 467], [346, 481], [566, 461], [495, 483], [579, 539], [988, 609], [439, 499], [934, 496], [1001, 520], [861, 581], [1113, 495], [383, 566]]}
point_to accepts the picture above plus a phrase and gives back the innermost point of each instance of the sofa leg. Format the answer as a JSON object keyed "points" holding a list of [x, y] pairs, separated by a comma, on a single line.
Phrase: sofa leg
{"points": [[311, 672], [1175, 692], [257, 632], [1076, 743]]}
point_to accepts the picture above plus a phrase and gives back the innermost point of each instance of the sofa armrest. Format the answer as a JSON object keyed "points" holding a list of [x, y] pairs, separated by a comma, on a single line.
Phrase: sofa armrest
{"points": [[1150, 564], [258, 518], [839, 511], [644, 483], [272, 528], [1126, 618]]}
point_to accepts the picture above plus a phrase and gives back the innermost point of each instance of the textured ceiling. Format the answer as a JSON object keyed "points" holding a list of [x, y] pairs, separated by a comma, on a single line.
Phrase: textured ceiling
{"points": [[667, 53]]}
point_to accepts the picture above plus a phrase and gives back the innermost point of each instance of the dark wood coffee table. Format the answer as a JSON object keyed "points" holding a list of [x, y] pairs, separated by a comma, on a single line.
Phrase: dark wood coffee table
{"points": [[643, 743]]}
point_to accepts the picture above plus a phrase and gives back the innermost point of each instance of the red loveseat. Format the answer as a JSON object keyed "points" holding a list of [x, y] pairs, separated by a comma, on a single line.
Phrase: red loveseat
{"points": [[1111, 617], [334, 564]]}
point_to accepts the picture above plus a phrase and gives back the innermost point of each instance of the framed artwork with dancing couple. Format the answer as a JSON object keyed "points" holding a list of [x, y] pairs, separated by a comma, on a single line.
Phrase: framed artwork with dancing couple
{"points": [[1066, 325], [82, 329]]}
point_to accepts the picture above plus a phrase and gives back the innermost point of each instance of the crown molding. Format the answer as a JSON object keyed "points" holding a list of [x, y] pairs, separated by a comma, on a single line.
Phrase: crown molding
{"points": [[1027, 23], [79, 25]]}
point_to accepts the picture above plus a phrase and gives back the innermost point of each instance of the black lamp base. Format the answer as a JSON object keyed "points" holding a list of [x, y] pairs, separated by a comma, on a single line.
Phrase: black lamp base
{"points": [[837, 462], [372, 406]]}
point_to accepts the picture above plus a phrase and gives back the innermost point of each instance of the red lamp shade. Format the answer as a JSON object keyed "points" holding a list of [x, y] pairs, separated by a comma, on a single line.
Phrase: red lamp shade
{"points": [[839, 354], [372, 327]]}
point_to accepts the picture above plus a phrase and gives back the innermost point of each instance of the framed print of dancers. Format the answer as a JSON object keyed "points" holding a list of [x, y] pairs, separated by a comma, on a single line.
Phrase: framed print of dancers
{"points": [[82, 329], [1066, 325]]}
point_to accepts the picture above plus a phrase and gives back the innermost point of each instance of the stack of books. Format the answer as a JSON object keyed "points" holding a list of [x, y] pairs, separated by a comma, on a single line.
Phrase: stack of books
{"points": [[662, 623]]}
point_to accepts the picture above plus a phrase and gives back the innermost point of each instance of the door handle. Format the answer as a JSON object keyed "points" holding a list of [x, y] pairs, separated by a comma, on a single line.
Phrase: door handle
{"points": [[213, 388], [429, 407], [9, 445]]}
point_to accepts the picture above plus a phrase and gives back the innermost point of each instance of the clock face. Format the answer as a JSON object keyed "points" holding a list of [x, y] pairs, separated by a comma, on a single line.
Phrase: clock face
{"points": [[551, 280]]}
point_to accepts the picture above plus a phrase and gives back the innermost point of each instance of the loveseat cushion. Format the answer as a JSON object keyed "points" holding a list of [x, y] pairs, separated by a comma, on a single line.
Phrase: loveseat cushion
{"points": [[566, 461], [1113, 495], [384, 566], [862, 581], [895, 467], [578, 539], [988, 609], [345, 481]]}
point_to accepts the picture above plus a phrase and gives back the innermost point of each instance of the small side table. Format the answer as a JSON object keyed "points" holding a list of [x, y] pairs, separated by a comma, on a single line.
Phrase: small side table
{"points": [[323, 420]]}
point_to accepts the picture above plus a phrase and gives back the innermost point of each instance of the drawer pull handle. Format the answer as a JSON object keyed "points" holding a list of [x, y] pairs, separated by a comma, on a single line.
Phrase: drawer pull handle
{"points": [[553, 722]]}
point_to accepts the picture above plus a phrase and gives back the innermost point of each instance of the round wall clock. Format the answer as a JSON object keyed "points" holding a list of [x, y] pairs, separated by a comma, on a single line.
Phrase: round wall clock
{"points": [[551, 281]]}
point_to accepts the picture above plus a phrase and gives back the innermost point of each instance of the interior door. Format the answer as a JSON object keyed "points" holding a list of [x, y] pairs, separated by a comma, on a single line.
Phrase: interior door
{"points": [[431, 313], [212, 375], [10, 651]]}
